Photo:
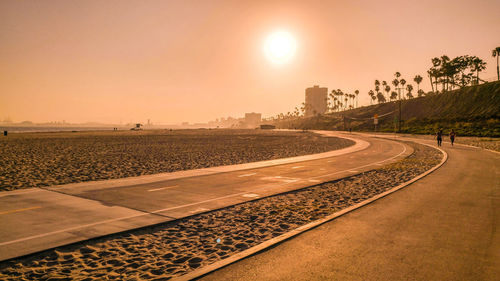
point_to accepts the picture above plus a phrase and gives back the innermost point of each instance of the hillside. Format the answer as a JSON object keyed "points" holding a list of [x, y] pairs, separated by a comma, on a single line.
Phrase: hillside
{"points": [[471, 111]]}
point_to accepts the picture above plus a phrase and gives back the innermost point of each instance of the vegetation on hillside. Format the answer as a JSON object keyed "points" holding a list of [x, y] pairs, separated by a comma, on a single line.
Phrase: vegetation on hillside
{"points": [[458, 100], [470, 111]]}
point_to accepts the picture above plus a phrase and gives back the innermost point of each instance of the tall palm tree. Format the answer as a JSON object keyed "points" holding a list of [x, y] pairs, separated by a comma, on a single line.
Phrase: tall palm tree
{"points": [[387, 89], [356, 93], [384, 83], [496, 53], [477, 65], [380, 97], [341, 95], [429, 72], [371, 94], [394, 95], [377, 86], [418, 79], [409, 87], [397, 74], [395, 82], [332, 97], [403, 82]]}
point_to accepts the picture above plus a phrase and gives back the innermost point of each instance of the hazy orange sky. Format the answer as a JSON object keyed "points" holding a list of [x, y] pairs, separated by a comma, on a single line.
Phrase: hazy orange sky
{"points": [[195, 61]]}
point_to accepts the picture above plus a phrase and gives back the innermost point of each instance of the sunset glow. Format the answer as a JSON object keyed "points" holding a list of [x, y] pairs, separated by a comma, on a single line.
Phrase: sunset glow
{"points": [[280, 47]]}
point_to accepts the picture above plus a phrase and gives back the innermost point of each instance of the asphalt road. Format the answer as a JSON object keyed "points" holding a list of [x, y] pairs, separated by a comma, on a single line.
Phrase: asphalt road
{"points": [[443, 227], [36, 219]]}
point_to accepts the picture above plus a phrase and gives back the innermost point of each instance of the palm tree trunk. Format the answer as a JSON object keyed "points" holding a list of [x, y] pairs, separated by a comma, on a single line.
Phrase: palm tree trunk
{"points": [[498, 71], [432, 85]]}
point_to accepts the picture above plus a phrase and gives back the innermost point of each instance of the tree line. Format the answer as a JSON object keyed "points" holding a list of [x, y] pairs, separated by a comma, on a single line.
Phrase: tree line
{"points": [[445, 74]]}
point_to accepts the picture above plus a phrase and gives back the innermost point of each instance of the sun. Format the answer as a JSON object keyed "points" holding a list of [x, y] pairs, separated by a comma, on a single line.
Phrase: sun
{"points": [[280, 47]]}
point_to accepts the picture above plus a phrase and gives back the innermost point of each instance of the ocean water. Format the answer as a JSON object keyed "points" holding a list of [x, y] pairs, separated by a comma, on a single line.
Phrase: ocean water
{"points": [[33, 129]]}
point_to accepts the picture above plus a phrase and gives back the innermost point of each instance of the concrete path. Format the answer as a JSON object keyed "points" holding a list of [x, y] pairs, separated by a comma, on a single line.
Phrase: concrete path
{"points": [[36, 219], [443, 227]]}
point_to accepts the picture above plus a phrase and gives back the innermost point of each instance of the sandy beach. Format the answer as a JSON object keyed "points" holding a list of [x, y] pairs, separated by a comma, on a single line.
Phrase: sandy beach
{"points": [[175, 248], [44, 159]]}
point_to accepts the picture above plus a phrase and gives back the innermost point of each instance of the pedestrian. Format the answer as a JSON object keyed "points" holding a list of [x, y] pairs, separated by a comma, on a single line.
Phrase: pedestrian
{"points": [[452, 137], [439, 136]]}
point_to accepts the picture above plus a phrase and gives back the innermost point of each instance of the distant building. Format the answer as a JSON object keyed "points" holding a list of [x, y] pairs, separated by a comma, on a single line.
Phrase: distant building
{"points": [[316, 101], [253, 119]]}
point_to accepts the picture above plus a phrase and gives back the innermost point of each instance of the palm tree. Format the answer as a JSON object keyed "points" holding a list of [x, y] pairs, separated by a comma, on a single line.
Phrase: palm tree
{"points": [[384, 83], [387, 89], [397, 74], [429, 72], [395, 82], [332, 97], [435, 71], [340, 94], [356, 93], [409, 87], [477, 65], [371, 94], [380, 97], [377, 86], [403, 82], [496, 53], [418, 79], [394, 95]]}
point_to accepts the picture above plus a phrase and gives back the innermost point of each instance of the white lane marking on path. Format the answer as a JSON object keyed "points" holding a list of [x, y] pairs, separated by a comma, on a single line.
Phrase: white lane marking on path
{"points": [[250, 195], [353, 171], [162, 188], [280, 178], [199, 210], [246, 175], [298, 167], [172, 208]]}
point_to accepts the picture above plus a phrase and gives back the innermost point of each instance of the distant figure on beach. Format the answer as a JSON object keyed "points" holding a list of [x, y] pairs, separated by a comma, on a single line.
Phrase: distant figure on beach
{"points": [[452, 137], [439, 136]]}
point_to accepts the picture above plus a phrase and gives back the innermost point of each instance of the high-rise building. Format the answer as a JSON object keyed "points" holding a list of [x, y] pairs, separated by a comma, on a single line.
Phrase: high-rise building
{"points": [[253, 119], [316, 101]]}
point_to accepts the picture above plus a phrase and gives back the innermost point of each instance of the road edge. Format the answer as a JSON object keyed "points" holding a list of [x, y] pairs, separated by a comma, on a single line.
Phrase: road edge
{"points": [[282, 238]]}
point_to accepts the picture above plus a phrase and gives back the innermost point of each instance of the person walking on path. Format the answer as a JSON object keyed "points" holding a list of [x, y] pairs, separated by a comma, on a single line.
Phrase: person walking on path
{"points": [[452, 137], [439, 136]]}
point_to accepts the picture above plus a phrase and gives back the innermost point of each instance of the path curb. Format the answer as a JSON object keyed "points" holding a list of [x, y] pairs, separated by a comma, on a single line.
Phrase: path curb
{"points": [[279, 239]]}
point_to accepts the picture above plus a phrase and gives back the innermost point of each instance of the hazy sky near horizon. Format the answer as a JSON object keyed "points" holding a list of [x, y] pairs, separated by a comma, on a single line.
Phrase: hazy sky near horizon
{"points": [[173, 61]]}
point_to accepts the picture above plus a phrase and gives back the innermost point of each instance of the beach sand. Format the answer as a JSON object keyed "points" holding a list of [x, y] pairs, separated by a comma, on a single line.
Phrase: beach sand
{"points": [[44, 159], [175, 248]]}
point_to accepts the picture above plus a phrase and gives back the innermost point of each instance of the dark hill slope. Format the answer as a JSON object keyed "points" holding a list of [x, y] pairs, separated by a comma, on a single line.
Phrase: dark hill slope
{"points": [[470, 111]]}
